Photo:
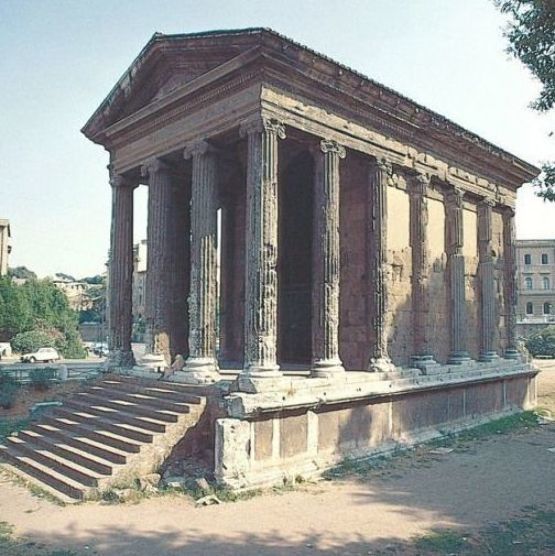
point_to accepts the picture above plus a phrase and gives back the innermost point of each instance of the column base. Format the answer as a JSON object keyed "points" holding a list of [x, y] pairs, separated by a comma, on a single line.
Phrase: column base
{"points": [[512, 353], [151, 362], [425, 362], [198, 370], [458, 358], [325, 368], [119, 359], [488, 356], [381, 365]]}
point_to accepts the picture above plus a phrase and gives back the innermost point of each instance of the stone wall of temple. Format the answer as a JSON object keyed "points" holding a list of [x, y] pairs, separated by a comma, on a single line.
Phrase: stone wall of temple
{"points": [[355, 336], [399, 323], [437, 319], [470, 252]]}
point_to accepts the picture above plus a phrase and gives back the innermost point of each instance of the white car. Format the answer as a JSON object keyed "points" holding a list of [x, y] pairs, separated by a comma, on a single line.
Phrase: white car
{"points": [[46, 355]]}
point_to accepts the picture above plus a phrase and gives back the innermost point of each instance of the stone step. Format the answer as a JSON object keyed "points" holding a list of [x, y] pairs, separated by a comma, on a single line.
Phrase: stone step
{"points": [[101, 435], [134, 408], [121, 417], [82, 458], [159, 389], [141, 398], [87, 445], [36, 470], [52, 461]]}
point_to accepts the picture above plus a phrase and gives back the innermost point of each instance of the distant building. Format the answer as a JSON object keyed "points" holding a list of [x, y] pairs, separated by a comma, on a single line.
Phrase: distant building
{"points": [[536, 285], [139, 279], [76, 292], [5, 245]]}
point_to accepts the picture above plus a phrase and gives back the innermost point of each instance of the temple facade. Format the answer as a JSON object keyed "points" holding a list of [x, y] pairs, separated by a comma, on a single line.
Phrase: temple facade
{"points": [[359, 235]]}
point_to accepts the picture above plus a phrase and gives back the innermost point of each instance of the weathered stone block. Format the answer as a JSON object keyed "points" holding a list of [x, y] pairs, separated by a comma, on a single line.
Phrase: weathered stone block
{"points": [[263, 438], [293, 437], [485, 398]]}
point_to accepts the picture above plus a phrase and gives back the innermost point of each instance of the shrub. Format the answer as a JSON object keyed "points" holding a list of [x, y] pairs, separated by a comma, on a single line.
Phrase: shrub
{"points": [[27, 342], [543, 343], [41, 379], [8, 390]]}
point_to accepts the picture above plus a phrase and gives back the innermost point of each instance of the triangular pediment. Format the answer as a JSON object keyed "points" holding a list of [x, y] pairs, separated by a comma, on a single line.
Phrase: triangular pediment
{"points": [[166, 63]]}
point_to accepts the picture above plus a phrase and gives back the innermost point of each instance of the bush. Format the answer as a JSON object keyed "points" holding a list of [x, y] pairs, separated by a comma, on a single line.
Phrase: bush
{"points": [[41, 379], [27, 342], [542, 344], [8, 390]]}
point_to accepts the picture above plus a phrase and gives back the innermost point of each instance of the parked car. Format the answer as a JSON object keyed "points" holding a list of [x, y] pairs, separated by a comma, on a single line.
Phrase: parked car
{"points": [[45, 355], [100, 349]]}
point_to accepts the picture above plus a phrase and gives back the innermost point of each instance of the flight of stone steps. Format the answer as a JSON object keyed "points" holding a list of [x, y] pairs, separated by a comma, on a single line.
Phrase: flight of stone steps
{"points": [[115, 430]]}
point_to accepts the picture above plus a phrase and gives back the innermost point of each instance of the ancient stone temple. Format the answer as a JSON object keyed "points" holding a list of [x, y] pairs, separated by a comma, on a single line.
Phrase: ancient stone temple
{"points": [[365, 289]]}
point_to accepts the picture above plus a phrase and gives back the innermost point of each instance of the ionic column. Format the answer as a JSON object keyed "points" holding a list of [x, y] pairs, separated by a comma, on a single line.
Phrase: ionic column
{"points": [[420, 269], [380, 173], [120, 280], [202, 364], [159, 281], [510, 290], [261, 284], [455, 267], [487, 281], [325, 285]]}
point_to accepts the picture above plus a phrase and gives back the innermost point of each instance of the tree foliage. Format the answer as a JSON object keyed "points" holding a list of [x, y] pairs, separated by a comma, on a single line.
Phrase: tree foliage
{"points": [[543, 343], [531, 35], [22, 272], [37, 312]]}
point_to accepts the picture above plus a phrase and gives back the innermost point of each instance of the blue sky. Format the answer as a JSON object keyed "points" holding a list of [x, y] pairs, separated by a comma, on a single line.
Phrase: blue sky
{"points": [[59, 59]]}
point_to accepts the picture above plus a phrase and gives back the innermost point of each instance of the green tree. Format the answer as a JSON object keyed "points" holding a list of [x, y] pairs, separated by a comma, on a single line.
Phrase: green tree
{"points": [[22, 272], [15, 310], [531, 35], [37, 312]]}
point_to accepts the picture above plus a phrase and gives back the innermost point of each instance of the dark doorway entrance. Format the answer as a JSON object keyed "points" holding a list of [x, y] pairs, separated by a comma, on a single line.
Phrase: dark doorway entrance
{"points": [[295, 261]]}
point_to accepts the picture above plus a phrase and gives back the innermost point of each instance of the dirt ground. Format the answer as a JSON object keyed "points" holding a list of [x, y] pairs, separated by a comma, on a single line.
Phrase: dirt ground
{"points": [[482, 483]]}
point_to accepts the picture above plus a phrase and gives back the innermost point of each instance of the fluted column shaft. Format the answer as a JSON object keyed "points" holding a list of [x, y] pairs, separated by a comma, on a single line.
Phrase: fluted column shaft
{"points": [[456, 270], [120, 281], [420, 267], [379, 175], [510, 290], [326, 268], [203, 295], [159, 281], [261, 285], [486, 273]]}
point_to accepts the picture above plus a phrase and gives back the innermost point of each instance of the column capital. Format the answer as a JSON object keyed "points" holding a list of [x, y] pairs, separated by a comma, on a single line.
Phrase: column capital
{"points": [[455, 196], [487, 202], [508, 211], [119, 180], [152, 166], [198, 148], [262, 124], [330, 146], [420, 182], [383, 165]]}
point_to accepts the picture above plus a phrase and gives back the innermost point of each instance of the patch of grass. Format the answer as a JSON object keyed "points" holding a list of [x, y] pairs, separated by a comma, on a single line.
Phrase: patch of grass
{"points": [[441, 542], [505, 425]]}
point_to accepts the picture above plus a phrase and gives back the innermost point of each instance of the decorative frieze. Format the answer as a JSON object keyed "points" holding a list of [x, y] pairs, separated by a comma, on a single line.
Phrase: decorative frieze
{"points": [[456, 273], [326, 267], [510, 293], [486, 273], [380, 173], [261, 285], [202, 361], [120, 279]]}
